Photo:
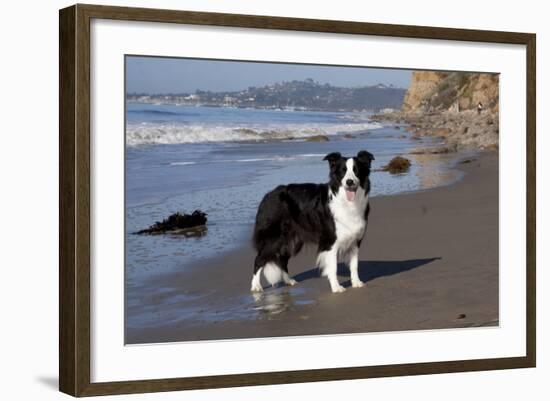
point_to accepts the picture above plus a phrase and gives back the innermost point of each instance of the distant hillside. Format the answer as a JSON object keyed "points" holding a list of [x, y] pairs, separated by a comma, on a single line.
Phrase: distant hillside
{"points": [[458, 91], [306, 95]]}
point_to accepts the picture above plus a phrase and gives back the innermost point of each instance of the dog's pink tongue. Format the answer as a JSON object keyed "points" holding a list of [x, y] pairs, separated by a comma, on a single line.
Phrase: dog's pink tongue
{"points": [[350, 195]]}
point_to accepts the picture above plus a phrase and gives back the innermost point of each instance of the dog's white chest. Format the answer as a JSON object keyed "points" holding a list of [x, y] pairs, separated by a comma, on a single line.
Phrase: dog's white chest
{"points": [[349, 218]]}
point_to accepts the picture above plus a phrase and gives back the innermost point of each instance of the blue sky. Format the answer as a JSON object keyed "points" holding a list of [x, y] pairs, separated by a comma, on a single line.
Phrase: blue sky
{"points": [[177, 75]]}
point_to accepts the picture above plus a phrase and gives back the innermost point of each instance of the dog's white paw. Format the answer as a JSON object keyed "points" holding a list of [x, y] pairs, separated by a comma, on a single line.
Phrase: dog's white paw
{"points": [[357, 284], [338, 288], [292, 282]]}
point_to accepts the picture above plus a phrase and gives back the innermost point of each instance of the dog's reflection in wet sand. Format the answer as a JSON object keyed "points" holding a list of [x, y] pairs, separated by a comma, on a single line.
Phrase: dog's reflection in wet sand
{"points": [[272, 303]]}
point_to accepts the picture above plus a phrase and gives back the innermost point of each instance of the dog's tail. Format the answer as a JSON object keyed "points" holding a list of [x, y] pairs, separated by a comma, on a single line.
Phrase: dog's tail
{"points": [[272, 273]]}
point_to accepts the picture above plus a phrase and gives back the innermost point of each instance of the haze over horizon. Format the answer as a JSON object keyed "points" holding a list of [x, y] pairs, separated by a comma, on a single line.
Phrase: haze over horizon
{"points": [[159, 75]]}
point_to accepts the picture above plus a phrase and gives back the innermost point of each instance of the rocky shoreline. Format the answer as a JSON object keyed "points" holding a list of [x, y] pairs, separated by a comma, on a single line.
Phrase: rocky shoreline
{"points": [[459, 130], [459, 108]]}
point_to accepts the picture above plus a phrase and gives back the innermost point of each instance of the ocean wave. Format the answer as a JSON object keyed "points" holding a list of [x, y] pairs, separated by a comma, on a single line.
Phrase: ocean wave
{"points": [[173, 133], [154, 112], [182, 163], [262, 159], [254, 160], [277, 158], [355, 117]]}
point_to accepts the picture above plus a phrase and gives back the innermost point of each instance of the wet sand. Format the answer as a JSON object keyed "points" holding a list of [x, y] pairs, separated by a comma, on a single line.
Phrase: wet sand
{"points": [[429, 260]]}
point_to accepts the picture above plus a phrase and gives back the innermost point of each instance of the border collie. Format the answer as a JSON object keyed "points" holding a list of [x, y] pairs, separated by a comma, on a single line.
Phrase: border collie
{"points": [[331, 216]]}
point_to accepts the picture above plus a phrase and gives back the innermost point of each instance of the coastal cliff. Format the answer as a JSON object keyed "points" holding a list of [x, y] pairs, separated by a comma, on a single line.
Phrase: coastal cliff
{"points": [[445, 105], [455, 91], [423, 84]]}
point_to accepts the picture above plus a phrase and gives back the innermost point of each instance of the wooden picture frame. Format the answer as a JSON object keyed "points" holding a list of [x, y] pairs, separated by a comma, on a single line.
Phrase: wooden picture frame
{"points": [[74, 203]]}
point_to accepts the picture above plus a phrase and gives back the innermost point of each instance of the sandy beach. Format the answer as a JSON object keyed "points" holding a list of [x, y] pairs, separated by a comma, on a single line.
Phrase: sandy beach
{"points": [[430, 261]]}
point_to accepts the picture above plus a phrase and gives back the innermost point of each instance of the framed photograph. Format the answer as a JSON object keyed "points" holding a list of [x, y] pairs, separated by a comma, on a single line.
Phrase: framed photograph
{"points": [[250, 200]]}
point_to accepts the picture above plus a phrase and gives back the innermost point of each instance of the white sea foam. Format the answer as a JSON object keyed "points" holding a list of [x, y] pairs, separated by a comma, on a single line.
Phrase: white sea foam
{"points": [[182, 163], [174, 133], [252, 160], [277, 158], [262, 159]]}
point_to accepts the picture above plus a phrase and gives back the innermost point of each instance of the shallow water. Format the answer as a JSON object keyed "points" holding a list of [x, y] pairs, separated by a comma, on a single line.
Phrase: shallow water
{"points": [[227, 180]]}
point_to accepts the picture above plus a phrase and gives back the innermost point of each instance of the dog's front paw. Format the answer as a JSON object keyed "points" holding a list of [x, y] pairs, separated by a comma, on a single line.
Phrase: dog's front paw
{"points": [[357, 284], [292, 282], [338, 288], [256, 287]]}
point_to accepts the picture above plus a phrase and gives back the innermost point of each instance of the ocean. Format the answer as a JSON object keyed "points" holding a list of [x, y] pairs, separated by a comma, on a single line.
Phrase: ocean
{"points": [[223, 161]]}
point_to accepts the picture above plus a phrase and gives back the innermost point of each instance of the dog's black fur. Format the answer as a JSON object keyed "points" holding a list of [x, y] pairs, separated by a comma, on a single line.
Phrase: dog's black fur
{"points": [[294, 214]]}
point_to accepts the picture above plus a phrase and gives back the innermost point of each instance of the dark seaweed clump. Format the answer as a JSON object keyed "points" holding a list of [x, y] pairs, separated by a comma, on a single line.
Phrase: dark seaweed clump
{"points": [[397, 165], [178, 223]]}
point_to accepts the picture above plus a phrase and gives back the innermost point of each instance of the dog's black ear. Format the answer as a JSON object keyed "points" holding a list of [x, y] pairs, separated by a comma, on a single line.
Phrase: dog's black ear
{"points": [[365, 157], [333, 157]]}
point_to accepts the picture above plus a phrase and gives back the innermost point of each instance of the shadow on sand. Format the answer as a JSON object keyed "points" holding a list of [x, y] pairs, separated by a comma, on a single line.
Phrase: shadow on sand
{"points": [[370, 270]]}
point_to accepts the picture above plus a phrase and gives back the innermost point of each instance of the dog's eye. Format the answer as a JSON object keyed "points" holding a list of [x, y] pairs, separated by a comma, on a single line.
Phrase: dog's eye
{"points": [[344, 169], [355, 169]]}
